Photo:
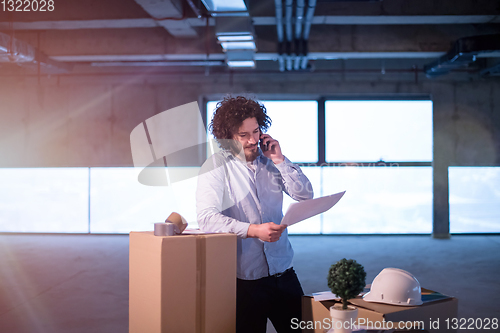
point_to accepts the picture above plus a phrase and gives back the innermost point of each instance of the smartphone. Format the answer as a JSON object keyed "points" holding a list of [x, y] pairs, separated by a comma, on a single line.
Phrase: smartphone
{"points": [[263, 146]]}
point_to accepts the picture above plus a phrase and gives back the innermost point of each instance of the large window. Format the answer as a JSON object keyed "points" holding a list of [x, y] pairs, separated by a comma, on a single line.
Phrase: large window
{"points": [[474, 199], [83, 200], [119, 203], [380, 152], [44, 200], [378, 130], [384, 200]]}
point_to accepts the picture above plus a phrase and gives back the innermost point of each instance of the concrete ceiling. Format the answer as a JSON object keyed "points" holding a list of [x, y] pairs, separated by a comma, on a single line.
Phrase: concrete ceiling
{"points": [[103, 36]]}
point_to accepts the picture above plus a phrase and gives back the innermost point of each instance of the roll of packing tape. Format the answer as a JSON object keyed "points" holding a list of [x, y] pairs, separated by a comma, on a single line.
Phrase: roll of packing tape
{"points": [[164, 229], [179, 222]]}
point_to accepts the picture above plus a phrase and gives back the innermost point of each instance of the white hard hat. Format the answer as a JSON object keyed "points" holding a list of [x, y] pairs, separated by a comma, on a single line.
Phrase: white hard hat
{"points": [[395, 286]]}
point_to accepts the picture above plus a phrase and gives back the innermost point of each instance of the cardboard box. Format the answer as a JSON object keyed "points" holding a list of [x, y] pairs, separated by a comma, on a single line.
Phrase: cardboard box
{"points": [[433, 313], [184, 283]]}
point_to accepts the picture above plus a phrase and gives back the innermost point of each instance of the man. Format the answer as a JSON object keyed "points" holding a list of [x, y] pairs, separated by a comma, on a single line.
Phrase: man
{"points": [[240, 191]]}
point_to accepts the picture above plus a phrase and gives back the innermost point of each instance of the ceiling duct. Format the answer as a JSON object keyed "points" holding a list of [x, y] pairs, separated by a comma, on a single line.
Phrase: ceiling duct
{"points": [[463, 53], [491, 71], [234, 31], [170, 15], [240, 59], [226, 7]]}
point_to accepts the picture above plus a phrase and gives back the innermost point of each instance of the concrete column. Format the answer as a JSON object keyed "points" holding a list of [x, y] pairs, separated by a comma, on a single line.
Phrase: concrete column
{"points": [[443, 155]]}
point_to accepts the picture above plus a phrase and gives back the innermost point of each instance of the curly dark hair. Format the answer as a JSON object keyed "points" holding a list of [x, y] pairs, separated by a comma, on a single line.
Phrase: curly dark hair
{"points": [[230, 114]]}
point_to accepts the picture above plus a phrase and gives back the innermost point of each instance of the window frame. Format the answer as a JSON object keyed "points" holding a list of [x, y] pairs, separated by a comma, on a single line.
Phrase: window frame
{"points": [[321, 102]]}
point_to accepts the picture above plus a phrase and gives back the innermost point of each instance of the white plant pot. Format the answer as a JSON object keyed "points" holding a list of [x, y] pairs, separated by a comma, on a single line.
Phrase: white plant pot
{"points": [[343, 320]]}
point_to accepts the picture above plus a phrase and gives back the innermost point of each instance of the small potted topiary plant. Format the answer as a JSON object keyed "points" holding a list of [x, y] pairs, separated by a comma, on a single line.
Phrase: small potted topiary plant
{"points": [[346, 279]]}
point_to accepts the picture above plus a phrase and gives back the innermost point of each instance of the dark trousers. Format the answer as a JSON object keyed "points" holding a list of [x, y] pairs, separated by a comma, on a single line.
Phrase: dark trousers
{"points": [[278, 298]]}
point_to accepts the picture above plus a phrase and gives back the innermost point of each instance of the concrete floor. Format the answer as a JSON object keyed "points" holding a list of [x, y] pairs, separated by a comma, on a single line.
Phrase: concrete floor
{"points": [[79, 283]]}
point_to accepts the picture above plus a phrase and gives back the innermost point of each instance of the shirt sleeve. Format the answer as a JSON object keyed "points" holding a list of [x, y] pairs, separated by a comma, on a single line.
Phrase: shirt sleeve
{"points": [[211, 201], [295, 183]]}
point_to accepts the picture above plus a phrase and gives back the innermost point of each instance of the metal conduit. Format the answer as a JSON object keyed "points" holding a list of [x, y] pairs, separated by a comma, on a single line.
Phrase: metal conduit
{"points": [[298, 59], [299, 18], [307, 28], [289, 36], [279, 31]]}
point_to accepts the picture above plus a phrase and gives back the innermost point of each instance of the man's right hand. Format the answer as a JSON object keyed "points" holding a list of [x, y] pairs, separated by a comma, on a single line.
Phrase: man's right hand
{"points": [[267, 232]]}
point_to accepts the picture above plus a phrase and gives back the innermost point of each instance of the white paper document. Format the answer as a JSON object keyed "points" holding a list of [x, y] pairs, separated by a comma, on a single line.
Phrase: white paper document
{"points": [[325, 296], [328, 295], [299, 211], [195, 232]]}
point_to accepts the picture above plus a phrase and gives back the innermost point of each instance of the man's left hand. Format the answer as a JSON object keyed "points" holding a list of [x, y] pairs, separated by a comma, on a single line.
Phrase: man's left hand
{"points": [[273, 151]]}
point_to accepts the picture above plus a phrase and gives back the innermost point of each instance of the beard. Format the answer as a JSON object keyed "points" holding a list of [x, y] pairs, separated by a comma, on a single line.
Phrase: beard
{"points": [[246, 152], [251, 154]]}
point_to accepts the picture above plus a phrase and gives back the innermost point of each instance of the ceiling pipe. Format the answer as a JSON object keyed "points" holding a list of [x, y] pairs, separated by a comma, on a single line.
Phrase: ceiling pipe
{"points": [[279, 31], [307, 29], [200, 63], [299, 18], [289, 36], [257, 72]]}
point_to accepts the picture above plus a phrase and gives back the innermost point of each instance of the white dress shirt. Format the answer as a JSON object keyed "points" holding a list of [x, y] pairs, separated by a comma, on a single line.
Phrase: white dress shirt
{"points": [[231, 195]]}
